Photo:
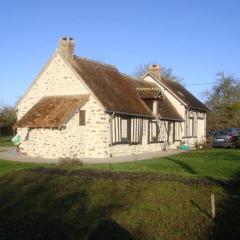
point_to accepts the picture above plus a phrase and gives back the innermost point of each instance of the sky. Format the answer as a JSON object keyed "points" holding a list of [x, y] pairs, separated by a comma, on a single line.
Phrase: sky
{"points": [[195, 38]]}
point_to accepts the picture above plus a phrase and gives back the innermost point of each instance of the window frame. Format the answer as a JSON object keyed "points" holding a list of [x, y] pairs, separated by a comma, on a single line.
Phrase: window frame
{"points": [[191, 127], [134, 130], [157, 137], [126, 140], [177, 127]]}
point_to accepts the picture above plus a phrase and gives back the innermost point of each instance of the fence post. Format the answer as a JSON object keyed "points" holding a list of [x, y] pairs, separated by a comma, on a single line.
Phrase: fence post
{"points": [[213, 206]]}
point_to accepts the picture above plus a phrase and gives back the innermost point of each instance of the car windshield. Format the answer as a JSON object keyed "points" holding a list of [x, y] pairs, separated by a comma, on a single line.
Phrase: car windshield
{"points": [[222, 132], [226, 131]]}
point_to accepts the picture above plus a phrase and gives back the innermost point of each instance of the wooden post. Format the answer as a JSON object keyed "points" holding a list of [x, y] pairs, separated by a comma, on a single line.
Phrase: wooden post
{"points": [[213, 206]]}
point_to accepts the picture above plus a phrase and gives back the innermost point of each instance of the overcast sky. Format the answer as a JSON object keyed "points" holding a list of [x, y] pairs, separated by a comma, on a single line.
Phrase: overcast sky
{"points": [[196, 39]]}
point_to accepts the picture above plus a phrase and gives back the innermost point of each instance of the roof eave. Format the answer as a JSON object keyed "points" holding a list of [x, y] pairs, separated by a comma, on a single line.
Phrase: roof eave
{"points": [[159, 81], [172, 119], [201, 109], [131, 114]]}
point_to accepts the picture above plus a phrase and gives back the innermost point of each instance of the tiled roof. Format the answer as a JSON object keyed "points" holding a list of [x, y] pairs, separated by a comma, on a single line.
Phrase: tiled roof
{"points": [[52, 111], [181, 92], [114, 90], [166, 110], [149, 93], [121, 93]]}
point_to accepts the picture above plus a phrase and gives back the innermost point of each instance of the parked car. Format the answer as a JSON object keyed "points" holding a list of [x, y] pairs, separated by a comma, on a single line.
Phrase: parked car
{"points": [[226, 138], [210, 133]]}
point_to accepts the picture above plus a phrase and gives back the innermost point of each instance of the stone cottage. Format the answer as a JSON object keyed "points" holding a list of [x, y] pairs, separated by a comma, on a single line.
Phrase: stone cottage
{"points": [[78, 107]]}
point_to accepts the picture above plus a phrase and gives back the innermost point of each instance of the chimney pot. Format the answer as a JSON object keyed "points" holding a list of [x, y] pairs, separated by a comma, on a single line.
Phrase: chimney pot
{"points": [[155, 69], [66, 46]]}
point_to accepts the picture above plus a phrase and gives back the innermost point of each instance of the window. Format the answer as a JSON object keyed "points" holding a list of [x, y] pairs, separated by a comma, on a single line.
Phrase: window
{"points": [[177, 131], [191, 127], [82, 118], [153, 132], [126, 130]]}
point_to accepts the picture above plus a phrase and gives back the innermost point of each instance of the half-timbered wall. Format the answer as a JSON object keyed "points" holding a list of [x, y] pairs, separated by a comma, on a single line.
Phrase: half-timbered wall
{"points": [[126, 130]]}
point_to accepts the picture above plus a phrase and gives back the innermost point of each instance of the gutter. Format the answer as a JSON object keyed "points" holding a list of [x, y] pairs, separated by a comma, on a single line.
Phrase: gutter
{"points": [[130, 114], [172, 119]]}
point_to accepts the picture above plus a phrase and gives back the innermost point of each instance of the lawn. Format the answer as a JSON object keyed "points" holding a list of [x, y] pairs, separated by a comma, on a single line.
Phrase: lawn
{"points": [[215, 164], [43, 204], [132, 201], [11, 166], [6, 141]]}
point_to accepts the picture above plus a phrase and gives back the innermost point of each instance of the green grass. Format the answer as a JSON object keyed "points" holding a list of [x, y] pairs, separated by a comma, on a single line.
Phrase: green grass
{"points": [[217, 164], [6, 141], [52, 203], [60, 206], [11, 166]]}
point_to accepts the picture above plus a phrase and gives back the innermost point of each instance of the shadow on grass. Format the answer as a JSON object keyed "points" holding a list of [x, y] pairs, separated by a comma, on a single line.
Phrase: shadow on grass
{"points": [[228, 213], [50, 207], [107, 229], [182, 164]]}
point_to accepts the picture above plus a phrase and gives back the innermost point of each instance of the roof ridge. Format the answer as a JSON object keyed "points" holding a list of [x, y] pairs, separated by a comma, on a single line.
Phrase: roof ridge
{"points": [[129, 76], [96, 62], [172, 80], [139, 80], [64, 95]]}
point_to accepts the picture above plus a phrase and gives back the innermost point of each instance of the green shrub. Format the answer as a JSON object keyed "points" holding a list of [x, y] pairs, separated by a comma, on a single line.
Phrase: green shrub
{"points": [[69, 163], [202, 145]]}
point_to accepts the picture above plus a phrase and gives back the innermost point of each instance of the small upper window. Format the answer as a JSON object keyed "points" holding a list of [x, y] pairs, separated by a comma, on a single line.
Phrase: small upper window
{"points": [[82, 118]]}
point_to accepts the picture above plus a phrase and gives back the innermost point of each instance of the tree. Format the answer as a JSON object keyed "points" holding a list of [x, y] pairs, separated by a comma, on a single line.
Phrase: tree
{"points": [[7, 119], [224, 102], [141, 69]]}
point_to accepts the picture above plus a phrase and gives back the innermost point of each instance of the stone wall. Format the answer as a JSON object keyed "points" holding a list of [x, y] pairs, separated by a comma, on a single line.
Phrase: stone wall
{"points": [[56, 78], [72, 140], [97, 131]]}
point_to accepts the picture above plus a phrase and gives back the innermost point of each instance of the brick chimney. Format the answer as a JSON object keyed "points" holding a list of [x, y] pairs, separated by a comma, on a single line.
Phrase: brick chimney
{"points": [[66, 47], [155, 69]]}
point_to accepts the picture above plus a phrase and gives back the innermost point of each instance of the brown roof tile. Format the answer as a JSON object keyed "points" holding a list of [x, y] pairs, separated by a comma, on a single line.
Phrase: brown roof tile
{"points": [[114, 90], [52, 111], [149, 93], [182, 93], [166, 110], [121, 93]]}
